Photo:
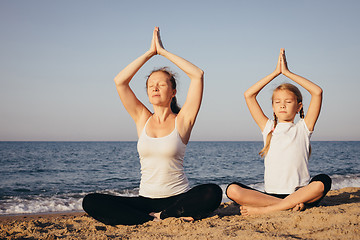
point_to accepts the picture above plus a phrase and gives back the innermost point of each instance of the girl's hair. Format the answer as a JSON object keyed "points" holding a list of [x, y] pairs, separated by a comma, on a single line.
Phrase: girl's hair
{"points": [[297, 93], [175, 108]]}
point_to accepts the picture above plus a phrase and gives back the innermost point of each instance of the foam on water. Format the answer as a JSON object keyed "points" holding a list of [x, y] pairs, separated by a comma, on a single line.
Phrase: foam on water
{"points": [[39, 177], [73, 202]]}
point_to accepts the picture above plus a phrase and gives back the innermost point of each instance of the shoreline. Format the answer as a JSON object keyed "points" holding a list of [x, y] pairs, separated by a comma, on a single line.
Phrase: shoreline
{"points": [[337, 217], [27, 216]]}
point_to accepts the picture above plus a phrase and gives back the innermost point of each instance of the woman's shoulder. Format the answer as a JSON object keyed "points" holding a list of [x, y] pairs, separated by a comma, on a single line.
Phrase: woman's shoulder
{"points": [[142, 121]]}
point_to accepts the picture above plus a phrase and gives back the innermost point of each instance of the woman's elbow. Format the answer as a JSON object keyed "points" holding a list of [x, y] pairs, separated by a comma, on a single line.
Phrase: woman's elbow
{"points": [[247, 94], [118, 81]]}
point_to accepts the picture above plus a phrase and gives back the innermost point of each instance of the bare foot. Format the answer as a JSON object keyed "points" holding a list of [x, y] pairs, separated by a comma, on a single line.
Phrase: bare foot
{"points": [[156, 216], [248, 210], [298, 207], [187, 219]]}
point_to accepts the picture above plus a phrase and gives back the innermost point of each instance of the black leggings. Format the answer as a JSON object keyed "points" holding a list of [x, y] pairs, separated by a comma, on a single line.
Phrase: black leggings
{"points": [[325, 179], [198, 203]]}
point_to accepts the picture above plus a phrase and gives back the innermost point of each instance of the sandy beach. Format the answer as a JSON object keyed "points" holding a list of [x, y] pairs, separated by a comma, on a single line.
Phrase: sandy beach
{"points": [[338, 217]]}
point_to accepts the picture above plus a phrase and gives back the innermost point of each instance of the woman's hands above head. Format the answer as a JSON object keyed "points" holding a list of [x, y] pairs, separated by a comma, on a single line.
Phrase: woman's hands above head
{"points": [[156, 46], [152, 49], [159, 46]]}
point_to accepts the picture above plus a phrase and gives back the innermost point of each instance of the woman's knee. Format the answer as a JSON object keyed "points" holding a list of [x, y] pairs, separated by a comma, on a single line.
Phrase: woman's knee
{"points": [[215, 190], [89, 201], [212, 192]]}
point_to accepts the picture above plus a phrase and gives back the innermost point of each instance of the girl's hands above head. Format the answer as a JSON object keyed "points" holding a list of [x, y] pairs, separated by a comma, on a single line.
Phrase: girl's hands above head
{"points": [[284, 67], [158, 43], [278, 66]]}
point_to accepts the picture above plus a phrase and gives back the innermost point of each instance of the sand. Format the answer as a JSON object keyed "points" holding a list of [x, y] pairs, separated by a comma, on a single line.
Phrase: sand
{"points": [[338, 217]]}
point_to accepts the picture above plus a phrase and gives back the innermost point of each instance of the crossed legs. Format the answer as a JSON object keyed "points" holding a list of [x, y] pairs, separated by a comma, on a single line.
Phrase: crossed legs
{"points": [[256, 202]]}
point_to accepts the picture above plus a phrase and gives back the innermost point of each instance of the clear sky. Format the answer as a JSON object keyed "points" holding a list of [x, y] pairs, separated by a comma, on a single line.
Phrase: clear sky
{"points": [[58, 60]]}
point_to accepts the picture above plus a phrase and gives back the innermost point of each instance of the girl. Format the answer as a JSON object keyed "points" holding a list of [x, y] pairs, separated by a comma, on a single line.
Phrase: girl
{"points": [[287, 148], [163, 136]]}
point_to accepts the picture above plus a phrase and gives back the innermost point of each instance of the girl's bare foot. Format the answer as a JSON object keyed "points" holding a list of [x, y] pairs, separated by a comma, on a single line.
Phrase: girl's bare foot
{"points": [[298, 207], [248, 210]]}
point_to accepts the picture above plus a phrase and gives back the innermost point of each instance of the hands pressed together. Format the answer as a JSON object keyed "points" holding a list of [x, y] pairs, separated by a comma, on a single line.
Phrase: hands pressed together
{"points": [[281, 67], [156, 47]]}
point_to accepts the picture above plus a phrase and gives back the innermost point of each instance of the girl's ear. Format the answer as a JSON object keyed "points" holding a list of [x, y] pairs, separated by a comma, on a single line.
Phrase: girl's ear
{"points": [[174, 92]]}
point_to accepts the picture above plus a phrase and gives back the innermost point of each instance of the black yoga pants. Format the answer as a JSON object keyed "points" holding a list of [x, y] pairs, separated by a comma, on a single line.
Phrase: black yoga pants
{"points": [[198, 203], [325, 179]]}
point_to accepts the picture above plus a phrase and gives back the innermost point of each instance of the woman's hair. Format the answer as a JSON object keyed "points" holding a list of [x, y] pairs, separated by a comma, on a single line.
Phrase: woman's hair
{"points": [[297, 93], [173, 105]]}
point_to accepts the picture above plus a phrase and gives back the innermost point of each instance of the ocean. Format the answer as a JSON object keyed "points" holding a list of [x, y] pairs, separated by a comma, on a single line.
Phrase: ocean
{"points": [[43, 177]]}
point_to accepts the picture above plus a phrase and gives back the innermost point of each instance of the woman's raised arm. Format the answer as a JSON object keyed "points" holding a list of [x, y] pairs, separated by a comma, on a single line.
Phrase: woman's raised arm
{"points": [[131, 103], [187, 115]]}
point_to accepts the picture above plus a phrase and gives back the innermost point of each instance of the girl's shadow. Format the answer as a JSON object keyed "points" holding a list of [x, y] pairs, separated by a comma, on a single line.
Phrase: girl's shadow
{"points": [[342, 198]]}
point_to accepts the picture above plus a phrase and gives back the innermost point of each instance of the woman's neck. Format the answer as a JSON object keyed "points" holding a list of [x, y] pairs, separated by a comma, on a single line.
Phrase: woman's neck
{"points": [[161, 113]]}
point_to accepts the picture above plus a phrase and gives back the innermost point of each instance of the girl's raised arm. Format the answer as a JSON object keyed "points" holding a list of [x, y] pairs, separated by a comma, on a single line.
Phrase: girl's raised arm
{"points": [[187, 115], [131, 103], [250, 96], [315, 91]]}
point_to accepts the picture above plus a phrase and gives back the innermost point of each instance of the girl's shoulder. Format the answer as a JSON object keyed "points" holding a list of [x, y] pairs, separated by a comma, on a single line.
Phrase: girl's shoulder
{"points": [[302, 125]]}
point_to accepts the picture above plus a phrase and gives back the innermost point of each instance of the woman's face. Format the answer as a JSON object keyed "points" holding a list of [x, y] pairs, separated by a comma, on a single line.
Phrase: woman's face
{"points": [[159, 89], [285, 105]]}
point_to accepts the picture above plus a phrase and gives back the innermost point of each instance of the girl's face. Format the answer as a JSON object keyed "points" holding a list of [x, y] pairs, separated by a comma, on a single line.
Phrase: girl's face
{"points": [[159, 89], [285, 105]]}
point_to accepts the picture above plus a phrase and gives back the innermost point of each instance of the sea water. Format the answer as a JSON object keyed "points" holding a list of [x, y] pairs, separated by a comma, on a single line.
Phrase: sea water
{"points": [[38, 177]]}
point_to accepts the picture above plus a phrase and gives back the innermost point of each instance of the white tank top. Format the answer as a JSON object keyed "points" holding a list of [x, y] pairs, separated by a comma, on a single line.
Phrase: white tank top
{"points": [[162, 170]]}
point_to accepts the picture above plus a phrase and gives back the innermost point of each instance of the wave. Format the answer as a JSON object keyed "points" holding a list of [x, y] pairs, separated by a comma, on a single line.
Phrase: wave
{"points": [[73, 202]]}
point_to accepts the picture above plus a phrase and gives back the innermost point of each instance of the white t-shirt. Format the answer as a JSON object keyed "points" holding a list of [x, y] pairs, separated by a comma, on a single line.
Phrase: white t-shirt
{"points": [[286, 163]]}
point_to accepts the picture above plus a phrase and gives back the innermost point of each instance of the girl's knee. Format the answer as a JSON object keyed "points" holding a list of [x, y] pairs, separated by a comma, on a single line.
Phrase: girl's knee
{"points": [[232, 191], [324, 182], [318, 186]]}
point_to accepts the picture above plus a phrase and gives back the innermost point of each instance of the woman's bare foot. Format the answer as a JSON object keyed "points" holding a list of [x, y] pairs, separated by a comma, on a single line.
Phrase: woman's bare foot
{"points": [[156, 216], [187, 219]]}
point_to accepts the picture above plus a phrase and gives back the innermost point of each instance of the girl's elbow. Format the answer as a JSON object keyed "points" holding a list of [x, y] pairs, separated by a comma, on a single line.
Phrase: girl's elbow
{"points": [[201, 74], [318, 92]]}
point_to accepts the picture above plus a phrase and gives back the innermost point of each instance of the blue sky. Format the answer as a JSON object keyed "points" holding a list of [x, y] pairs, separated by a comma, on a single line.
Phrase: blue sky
{"points": [[58, 60]]}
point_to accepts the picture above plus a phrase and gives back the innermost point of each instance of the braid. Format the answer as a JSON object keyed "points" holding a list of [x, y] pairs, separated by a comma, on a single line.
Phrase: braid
{"points": [[264, 151], [275, 121], [302, 113]]}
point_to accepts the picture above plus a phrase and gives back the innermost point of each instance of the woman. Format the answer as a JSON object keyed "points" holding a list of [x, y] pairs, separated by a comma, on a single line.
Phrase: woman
{"points": [[163, 136]]}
